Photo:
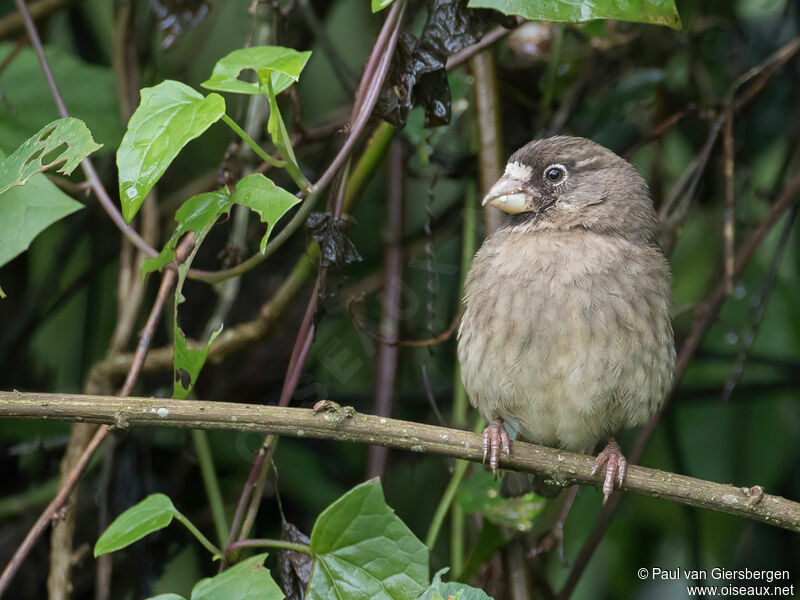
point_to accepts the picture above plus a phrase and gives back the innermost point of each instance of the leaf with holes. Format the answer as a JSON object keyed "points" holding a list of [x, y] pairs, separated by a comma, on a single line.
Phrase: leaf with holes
{"points": [[262, 196], [363, 551], [65, 142], [151, 514], [655, 12], [198, 214], [456, 591], [282, 66], [26, 211], [248, 580], [169, 116], [187, 362]]}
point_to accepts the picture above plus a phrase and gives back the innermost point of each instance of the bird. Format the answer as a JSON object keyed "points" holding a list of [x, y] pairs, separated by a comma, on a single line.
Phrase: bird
{"points": [[566, 336]]}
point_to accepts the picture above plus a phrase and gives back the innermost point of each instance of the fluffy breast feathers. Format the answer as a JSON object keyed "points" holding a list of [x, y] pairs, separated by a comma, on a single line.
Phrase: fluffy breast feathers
{"points": [[566, 335]]}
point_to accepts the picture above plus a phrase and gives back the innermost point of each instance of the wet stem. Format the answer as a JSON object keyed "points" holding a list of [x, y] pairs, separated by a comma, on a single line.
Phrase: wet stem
{"points": [[207, 544]]}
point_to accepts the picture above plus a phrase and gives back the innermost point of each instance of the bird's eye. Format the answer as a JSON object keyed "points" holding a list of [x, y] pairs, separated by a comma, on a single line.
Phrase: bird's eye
{"points": [[555, 174]]}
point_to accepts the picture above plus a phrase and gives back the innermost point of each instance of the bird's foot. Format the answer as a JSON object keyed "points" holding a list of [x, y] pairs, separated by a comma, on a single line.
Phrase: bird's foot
{"points": [[495, 437], [616, 464]]}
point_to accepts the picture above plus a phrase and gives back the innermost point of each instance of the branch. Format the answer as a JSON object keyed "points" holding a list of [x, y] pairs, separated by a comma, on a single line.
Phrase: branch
{"points": [[344, 424]]}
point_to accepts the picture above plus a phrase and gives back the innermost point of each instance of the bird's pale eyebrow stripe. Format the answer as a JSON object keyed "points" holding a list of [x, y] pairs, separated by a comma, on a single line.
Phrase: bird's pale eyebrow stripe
{"points": [[586, 162], [518, 170]]}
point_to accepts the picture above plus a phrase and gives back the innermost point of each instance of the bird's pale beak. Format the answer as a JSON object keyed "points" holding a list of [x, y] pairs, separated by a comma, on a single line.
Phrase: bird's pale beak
{"points": [[508, 195]]}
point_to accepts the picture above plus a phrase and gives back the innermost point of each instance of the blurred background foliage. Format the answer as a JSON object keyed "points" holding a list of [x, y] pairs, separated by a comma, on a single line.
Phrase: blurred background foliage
{"points": [[612, 82]]}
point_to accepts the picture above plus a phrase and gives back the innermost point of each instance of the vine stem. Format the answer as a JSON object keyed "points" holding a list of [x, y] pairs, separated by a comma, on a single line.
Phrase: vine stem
{"points": [[72, 478], [268, 543], [334, 423], [207, 543], [262, 154], [371, 84]]}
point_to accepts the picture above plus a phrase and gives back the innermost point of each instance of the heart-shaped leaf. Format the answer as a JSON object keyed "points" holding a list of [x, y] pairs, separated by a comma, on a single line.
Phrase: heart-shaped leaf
{"points": [[65, 142], [281, 65], [169, 116], [265, 198], [249, 580], [151, 514], [456, 591], [656, 12], [363, 551], [26, 211]]}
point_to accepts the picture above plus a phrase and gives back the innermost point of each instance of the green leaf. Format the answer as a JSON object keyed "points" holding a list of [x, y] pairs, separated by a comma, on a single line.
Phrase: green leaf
{"points": [[248, 580], [280, 137], [379, 5], [481, 493], [456, 591], [281, 66], [656, 12], [88, 91], [363, 551], [167, 597], [265, 198], [187, 362], [151, 514], [169, 116], [197, 214], [26, 211], [64, 141]]}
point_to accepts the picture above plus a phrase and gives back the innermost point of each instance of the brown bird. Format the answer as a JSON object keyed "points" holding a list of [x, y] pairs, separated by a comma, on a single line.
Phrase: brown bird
{"points": [[566, 336]]}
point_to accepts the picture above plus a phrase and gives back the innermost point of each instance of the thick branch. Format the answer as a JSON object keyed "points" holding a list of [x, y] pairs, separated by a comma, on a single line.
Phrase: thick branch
{"points": [[565, 468]]}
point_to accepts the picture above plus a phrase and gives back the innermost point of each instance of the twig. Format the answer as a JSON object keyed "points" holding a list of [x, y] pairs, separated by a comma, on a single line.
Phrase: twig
{"points": [[370, 98], [760, 308], [704, 317], [389, 341], [487, 40], [335, 423], [390, 302], [71, 480], [367, 95], [487, 115], [12, 22], [86, 163], [340, 68], [660, 129], [729, 210]]}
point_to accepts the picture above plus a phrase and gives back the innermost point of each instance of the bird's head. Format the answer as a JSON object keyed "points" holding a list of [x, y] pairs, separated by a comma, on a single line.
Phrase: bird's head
{"points": [[565, 183]]}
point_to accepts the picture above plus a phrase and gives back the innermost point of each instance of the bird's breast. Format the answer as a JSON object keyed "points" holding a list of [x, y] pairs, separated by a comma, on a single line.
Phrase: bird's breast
{"points": [[566, 336]]}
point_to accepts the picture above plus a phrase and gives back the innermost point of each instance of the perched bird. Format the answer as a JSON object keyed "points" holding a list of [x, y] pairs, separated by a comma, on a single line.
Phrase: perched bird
{"points": [[566, 336]]}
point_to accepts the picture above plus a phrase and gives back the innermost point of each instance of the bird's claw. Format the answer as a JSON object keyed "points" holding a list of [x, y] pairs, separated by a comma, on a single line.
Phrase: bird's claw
{"points": [[495, 437], [616, 464]]}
